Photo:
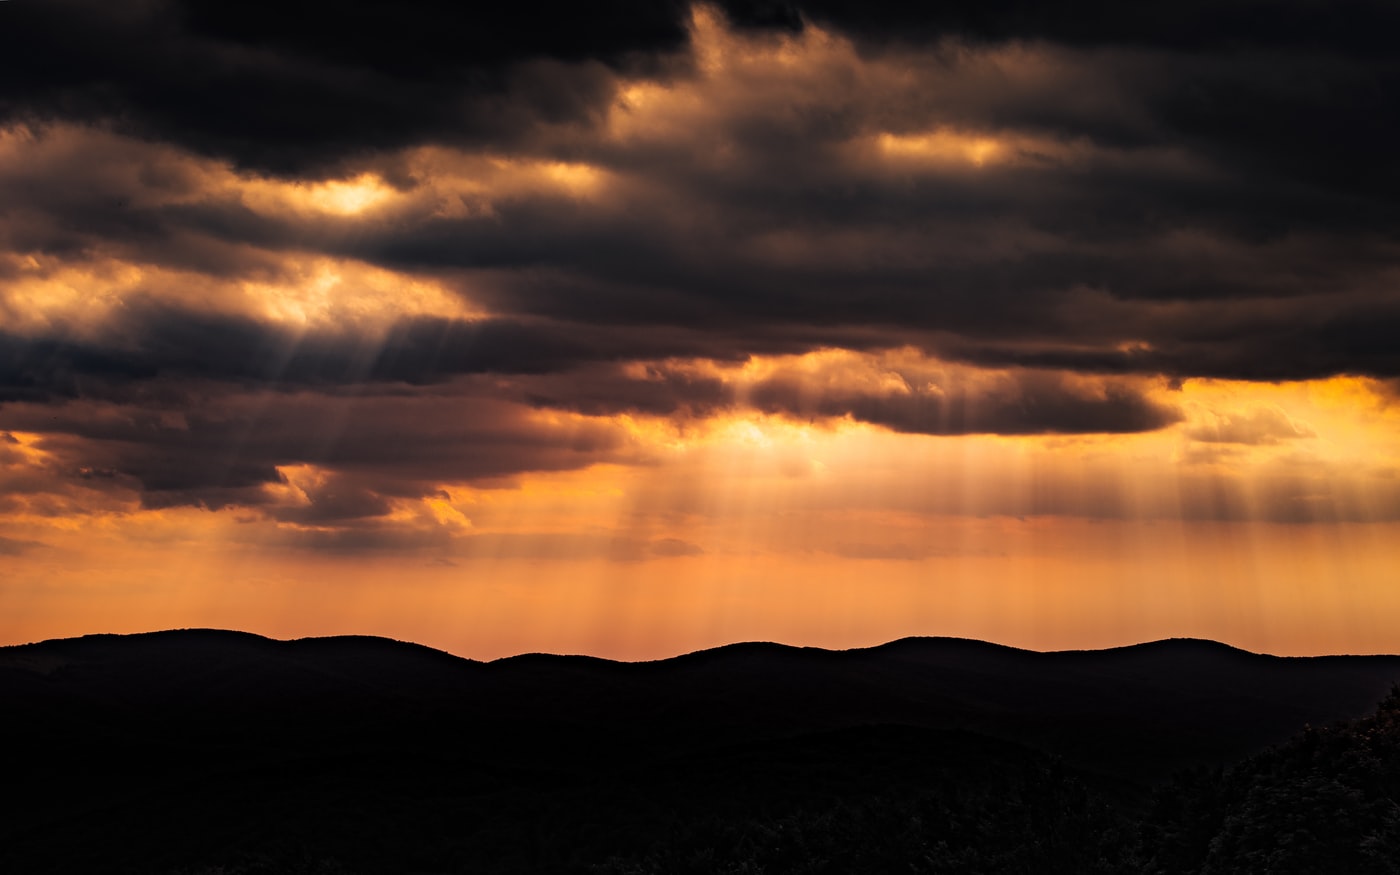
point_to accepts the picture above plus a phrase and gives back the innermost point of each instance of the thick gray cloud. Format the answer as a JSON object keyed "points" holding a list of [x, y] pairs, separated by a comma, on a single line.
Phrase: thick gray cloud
{"points": [[310, 85], [219, 448], [1027, 402], [1217, 205], [1086, 195], [1033, 405]]}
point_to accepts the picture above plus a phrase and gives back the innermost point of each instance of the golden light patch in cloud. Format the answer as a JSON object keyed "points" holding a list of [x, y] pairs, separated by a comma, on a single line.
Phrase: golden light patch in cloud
{"points": [[652, 112], [515, 178], [942, 146], [1343, 426], [139, 175], [903, 371], [24, 443], [904, 111], [446, 513], [348, 197], [449, 183], [23, 450], [53, 296], [741, 79], [136, 174], [738, 75], [84, 166], [304, 291], [575, 178], [1348, 422], [296, 484], [719, 50], [337, 197], [432, 513], [298, 503], [1330, 465], [317, 291], [79, 295], [461, 184], [40, 492]]}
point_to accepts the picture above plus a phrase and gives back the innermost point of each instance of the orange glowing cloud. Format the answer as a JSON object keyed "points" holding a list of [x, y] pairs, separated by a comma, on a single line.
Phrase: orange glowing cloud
{"points": [[825, 333]]}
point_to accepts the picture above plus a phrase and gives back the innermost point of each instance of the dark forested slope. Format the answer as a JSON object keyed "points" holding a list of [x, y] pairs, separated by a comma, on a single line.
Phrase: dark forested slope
{"points": [[192, 750]]}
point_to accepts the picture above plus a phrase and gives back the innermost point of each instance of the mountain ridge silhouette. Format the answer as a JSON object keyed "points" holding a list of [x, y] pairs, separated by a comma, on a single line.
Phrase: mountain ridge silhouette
{"points": [[230, 740], [1041, 698]]}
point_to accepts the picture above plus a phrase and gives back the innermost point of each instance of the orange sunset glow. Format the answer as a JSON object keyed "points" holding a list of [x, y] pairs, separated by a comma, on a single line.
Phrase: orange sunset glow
{"points": [[806, 331]]}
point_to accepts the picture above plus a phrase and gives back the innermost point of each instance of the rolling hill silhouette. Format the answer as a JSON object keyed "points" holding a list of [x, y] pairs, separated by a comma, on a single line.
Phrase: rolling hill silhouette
{"points": [[171, 751]]}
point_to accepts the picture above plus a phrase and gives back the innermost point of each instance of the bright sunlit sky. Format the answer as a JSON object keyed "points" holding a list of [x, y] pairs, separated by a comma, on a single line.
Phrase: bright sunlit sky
{"points": [[640, 328]]}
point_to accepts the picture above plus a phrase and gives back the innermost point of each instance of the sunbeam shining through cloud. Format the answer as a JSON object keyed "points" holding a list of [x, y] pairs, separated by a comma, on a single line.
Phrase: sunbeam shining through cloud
{"points": [[640, 328]]}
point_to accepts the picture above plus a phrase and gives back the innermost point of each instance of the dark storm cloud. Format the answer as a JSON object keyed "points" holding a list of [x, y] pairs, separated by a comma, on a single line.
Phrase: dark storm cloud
{"points": [[1031, 405], [1288, 89], [307, 84], [604, 391], [219, 448], [335, 501], [291, 86], [1195, 25], [195, 409], [1206, 189], [1013, 404], [1138, 183], [1252, 340], [147, 343]]}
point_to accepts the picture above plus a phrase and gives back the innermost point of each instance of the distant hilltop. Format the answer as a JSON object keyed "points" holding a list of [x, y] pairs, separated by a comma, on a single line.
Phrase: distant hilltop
{"points": [[1137, 711], [190, 752]]}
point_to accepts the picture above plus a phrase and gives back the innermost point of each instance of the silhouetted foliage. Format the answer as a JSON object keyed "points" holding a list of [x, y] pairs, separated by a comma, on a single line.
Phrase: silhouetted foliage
{"points": [[1041, 820], [1324, 802]]}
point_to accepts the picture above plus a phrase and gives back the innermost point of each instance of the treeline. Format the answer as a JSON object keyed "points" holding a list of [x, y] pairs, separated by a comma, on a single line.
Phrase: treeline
{"points": [[1328, 801], [885, 799]]}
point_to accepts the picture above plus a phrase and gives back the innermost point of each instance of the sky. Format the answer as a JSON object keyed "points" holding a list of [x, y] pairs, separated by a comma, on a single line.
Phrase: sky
{"points": [[632, 328]]}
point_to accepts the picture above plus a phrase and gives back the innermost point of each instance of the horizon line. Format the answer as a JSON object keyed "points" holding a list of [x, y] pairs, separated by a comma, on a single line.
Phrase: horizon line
{"points": [[689, 653]]}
